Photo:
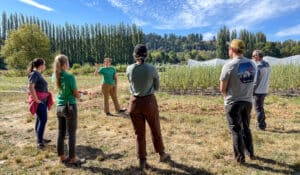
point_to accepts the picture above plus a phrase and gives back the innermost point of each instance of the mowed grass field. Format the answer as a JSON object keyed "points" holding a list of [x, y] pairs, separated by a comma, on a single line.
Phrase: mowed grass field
{"points": [[194, 130]]}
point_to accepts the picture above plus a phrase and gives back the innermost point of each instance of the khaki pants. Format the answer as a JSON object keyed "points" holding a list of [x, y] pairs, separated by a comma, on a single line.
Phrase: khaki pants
{"points": [[110, 90], [142, 109]]}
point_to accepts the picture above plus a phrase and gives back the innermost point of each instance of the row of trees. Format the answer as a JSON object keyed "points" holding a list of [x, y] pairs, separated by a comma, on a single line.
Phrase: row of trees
{"points": [[91, 43], [256, 41], [86, 43]]}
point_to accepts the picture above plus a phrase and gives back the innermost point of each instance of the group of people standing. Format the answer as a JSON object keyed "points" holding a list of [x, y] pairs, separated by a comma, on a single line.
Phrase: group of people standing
{"points": [[143, 79], [241, 79]]}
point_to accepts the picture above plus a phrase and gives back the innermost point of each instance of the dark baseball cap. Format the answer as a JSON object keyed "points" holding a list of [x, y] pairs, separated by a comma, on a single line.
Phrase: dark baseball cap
{"points": [[140, 50]]}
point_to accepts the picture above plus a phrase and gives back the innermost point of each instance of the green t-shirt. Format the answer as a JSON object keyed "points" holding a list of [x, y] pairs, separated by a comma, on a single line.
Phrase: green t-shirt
{"points": [[67, 86], [108, 75]]}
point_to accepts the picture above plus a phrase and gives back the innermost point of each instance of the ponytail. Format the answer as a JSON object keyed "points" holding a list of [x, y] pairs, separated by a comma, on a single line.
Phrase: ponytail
{"points": [[35, 64], [30, 67], [59, 62]]}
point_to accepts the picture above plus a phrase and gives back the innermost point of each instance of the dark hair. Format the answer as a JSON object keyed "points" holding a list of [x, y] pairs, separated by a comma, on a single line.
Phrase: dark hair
{"points": [[140, 52], [259, 53], [35, 64]]}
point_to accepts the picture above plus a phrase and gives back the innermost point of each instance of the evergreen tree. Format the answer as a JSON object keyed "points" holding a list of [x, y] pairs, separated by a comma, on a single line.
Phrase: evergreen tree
{"points": [[222, 48]]}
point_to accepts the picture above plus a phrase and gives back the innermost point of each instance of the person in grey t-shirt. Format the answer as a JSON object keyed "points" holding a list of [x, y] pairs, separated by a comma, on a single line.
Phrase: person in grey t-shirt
{"points": [[236, 84], [144, 80], [261, 86]]}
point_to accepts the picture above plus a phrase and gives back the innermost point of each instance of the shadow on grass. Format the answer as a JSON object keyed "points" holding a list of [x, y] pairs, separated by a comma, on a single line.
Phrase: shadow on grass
{"points": [[90, 153], [292, 131], [132, 170], [185, 168], [270, 169]]}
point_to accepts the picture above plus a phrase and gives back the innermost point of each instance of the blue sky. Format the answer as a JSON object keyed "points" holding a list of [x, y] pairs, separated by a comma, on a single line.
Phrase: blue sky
{"points": [[278, 19]]}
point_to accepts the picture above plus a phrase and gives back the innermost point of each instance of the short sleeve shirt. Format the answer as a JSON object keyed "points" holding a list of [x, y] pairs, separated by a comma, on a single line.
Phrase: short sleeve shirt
{"points": [[40, 84], [67, 86], [108, 75], [239, 74]]}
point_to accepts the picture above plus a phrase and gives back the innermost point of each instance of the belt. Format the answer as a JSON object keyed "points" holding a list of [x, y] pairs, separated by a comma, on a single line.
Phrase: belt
{"points": [[143, 96]]}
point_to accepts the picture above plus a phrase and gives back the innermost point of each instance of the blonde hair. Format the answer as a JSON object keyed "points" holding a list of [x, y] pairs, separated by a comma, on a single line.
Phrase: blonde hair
{"points": [[59, 61]]}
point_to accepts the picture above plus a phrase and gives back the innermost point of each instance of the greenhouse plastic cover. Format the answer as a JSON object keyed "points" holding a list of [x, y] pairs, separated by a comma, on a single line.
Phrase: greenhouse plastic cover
{"points": [[271, 60]]}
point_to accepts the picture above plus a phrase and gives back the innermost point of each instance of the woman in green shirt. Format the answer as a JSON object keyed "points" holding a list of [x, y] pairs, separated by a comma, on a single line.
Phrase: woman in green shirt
{"points": [[109, 85], [66, 110]]}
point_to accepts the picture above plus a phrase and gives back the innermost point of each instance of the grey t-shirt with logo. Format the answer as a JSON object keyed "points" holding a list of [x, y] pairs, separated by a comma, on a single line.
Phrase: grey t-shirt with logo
{"points": [[240, 74]]}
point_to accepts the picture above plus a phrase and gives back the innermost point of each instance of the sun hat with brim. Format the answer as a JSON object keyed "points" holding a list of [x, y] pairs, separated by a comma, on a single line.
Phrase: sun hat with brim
{"points": [[237, 45]]}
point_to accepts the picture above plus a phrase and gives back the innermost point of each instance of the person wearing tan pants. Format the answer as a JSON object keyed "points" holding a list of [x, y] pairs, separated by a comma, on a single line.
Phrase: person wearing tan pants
{"points": [[109, 85]]}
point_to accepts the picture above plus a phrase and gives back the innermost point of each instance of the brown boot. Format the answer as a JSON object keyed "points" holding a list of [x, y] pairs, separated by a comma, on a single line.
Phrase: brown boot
{"points": [[164, 157], [143, 164]]}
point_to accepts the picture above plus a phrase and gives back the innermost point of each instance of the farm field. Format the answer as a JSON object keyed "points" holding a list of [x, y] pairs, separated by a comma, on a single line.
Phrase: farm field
{"points": [[194, 130]]}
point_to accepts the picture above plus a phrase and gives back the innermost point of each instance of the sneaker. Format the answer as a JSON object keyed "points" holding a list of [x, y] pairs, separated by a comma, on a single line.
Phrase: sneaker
{"points": [[109, 114], [65, 161], [164, 157], [240, 160], [41, 146], [77, 163], [46, 140], [252, 157], [122, 110]]}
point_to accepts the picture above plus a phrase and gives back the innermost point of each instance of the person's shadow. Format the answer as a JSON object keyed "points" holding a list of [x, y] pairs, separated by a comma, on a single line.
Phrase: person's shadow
{"points": [[292, 131], [134, 170], [292, 168], [184, 169], [90, 153]]}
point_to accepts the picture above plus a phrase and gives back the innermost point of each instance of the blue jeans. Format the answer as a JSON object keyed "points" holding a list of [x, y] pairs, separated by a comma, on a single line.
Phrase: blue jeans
{"points": [[260, 111], [41, 120]]}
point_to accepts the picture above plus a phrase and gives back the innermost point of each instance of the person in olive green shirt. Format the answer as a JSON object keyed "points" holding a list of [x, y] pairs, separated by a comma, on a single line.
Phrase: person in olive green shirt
{"points": [[108, 85], [66, 110], [144, 81]]}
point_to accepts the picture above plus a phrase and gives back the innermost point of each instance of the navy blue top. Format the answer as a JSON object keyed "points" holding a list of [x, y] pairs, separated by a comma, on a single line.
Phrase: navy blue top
{"points": [[36, 78]]}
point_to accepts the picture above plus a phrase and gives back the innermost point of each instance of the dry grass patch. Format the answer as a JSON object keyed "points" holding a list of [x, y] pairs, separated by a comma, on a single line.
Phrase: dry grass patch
{"points": [[194, 129]]}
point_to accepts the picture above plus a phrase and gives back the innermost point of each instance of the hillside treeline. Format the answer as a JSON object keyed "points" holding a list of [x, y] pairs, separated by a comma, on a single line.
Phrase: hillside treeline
{"points": [[90, 43]]}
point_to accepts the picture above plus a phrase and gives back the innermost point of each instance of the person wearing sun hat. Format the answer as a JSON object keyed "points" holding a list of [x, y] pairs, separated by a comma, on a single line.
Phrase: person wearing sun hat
{"points": [[236, 85], [144, 81]]}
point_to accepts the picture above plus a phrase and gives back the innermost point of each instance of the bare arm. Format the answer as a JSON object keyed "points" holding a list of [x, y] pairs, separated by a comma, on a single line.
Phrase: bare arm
{"points": [[116, 79], [223, 88], [77, 93], [33, 92], [96, 69]]}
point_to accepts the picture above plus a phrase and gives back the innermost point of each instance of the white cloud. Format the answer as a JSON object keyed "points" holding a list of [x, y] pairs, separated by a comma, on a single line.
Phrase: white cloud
{"points": [[261, 11], [208, 36], [120, 4], [187, 14], [292, 31], [139, 22], [37, 5], [90, 3]]}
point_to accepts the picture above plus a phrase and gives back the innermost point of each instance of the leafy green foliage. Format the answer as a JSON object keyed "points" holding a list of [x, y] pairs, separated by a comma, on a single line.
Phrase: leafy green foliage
{"points": [[25, 44]]}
